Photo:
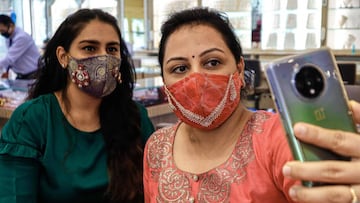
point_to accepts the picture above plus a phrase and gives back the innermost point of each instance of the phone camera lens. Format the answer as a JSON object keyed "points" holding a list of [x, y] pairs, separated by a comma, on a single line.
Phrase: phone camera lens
{"points": [[309, 82]]}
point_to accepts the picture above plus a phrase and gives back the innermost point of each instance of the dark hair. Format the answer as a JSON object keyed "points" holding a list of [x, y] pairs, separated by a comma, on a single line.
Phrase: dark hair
{"points": [[119, 115], [197, 16], [6, 20]]}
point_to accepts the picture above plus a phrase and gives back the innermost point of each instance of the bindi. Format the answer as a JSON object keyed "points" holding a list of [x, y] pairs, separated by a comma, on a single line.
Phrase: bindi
{"points": [[193, 56]]}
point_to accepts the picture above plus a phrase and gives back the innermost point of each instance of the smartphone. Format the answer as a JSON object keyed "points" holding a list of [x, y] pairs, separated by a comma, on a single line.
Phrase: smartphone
{"points": [[308, 87]]}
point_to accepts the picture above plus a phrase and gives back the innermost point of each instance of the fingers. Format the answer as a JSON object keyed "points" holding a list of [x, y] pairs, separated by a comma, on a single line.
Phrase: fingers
{"points": [[335, 172], [328, 194], [341, 142], [343, 173], [355, 107]]}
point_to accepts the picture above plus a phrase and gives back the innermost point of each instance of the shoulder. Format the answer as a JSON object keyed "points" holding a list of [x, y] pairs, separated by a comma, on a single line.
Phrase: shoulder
{"points": [[163, 135], [269, 135], [147, 128], [267, 132], [30, 117], [159, 146], [142, 109], [34, 106], [264, 122], [21, 35], [23, 134]]}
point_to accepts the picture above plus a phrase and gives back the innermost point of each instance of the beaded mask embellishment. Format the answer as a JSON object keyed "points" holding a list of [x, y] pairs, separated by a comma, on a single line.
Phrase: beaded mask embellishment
{"points": [[205, 101], [80, 76]]}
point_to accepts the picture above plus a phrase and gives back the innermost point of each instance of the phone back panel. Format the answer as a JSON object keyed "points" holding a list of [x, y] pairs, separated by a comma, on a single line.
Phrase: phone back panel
{"points": [[330, 109]]}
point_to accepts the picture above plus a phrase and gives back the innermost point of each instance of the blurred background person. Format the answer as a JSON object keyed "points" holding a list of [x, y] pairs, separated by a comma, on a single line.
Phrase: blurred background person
{"points": [[22, 54]]}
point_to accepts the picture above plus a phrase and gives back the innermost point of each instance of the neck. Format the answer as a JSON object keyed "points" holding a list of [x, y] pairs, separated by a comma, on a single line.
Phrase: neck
{"points": [[198, 151], [80, 109]]}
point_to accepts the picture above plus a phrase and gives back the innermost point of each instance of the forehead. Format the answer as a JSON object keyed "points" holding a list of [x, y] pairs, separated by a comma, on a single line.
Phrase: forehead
{"points": [[193, 38], [98, 30]]}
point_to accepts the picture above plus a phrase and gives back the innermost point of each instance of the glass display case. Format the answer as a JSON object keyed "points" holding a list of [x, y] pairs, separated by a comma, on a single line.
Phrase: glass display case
{"points": [[343, 24], [161, 10], [239, 13], [291, 24], [150, 91]]}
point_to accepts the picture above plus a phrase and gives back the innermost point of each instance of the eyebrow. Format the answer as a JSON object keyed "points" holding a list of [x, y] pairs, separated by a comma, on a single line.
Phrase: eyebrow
{"points": [[97, 42], [211, 50], [175, 59], [202, 54]]}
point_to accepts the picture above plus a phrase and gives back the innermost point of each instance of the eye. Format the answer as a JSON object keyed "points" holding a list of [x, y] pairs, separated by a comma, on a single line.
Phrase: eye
{"points": [[89, 48], [179, 69], [212, 63], [113, 50]]}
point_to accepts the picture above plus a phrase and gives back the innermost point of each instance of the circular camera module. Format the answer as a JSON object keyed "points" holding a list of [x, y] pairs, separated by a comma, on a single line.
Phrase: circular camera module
{"points": [[309, 81]]}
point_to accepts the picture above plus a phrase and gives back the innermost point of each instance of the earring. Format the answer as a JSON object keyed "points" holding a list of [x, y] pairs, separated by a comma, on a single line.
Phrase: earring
{"points": [[118, 78], [63, 65], [243, 84], [117, 75]]}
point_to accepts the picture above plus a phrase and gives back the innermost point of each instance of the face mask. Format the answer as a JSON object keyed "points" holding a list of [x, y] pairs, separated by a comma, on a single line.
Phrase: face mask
{"points": [[6, 34], [205, 101], [97, 75]]}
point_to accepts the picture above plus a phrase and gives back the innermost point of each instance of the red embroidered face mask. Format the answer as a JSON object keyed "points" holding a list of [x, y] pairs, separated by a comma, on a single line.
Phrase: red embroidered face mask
{"points": [[203, 100]]}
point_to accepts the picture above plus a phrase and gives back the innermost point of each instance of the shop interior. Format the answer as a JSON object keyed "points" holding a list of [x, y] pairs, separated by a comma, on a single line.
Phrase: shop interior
{"points": [[267, 29]]}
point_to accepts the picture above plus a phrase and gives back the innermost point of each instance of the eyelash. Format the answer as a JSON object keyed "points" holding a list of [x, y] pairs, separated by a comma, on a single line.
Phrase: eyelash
{"points": [[176, 68], [109, 49], [211, 61], [209, 64]]}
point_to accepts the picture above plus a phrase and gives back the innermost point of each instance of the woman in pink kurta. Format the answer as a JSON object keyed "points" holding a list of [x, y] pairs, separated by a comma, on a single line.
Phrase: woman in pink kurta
{"points": [[251, 174], [219, 151]]}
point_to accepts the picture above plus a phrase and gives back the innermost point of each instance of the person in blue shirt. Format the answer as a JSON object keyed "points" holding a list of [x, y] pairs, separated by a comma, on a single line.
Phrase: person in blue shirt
{"points": [[22, 55]]}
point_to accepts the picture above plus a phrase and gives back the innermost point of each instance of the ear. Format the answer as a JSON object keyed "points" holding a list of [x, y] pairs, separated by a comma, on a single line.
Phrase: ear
{"points": [[11, 28], [62, 56], [241, 67]]}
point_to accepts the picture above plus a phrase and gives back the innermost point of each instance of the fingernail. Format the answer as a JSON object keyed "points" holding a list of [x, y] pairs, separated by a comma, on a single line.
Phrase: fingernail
{"points": [[286, 170], [300, 129], [292, 193]]}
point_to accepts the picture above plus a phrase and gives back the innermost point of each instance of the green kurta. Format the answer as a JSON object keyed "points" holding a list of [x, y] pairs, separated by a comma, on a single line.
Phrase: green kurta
{"points": [[44, 159]]}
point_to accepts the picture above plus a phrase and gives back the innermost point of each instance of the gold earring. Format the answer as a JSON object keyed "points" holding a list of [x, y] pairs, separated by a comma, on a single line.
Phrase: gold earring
{"points": [[119, 78]]}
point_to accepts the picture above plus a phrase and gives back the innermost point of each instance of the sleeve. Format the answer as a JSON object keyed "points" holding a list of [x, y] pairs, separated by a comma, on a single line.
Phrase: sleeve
{"points": [[146, 176], [20, 155], [4, 62], [280, 154], [18, 179], [22, 134], [147, 128]]}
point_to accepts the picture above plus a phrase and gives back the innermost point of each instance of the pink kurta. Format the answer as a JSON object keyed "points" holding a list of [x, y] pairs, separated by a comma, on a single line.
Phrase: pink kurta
{"points": [[251, 174]]}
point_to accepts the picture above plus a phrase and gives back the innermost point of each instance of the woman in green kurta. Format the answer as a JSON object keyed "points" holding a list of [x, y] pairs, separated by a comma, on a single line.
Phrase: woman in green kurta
{"points": [[79, 136]]}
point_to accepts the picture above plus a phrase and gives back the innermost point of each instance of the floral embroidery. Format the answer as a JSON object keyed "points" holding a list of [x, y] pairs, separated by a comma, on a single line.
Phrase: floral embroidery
{"points": [[174, 186], [215, 185]]}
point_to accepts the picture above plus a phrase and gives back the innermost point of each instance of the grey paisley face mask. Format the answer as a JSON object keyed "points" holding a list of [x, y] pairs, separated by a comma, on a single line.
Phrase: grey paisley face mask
{"points": [[97, 76]]}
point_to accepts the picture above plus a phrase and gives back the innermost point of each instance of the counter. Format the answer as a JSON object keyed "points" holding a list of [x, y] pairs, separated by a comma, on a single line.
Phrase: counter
{"points": [[158, 109]]}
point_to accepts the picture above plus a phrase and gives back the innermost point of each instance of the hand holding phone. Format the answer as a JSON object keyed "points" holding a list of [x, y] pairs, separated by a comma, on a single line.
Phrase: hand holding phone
{"points": [[308, 88]]}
